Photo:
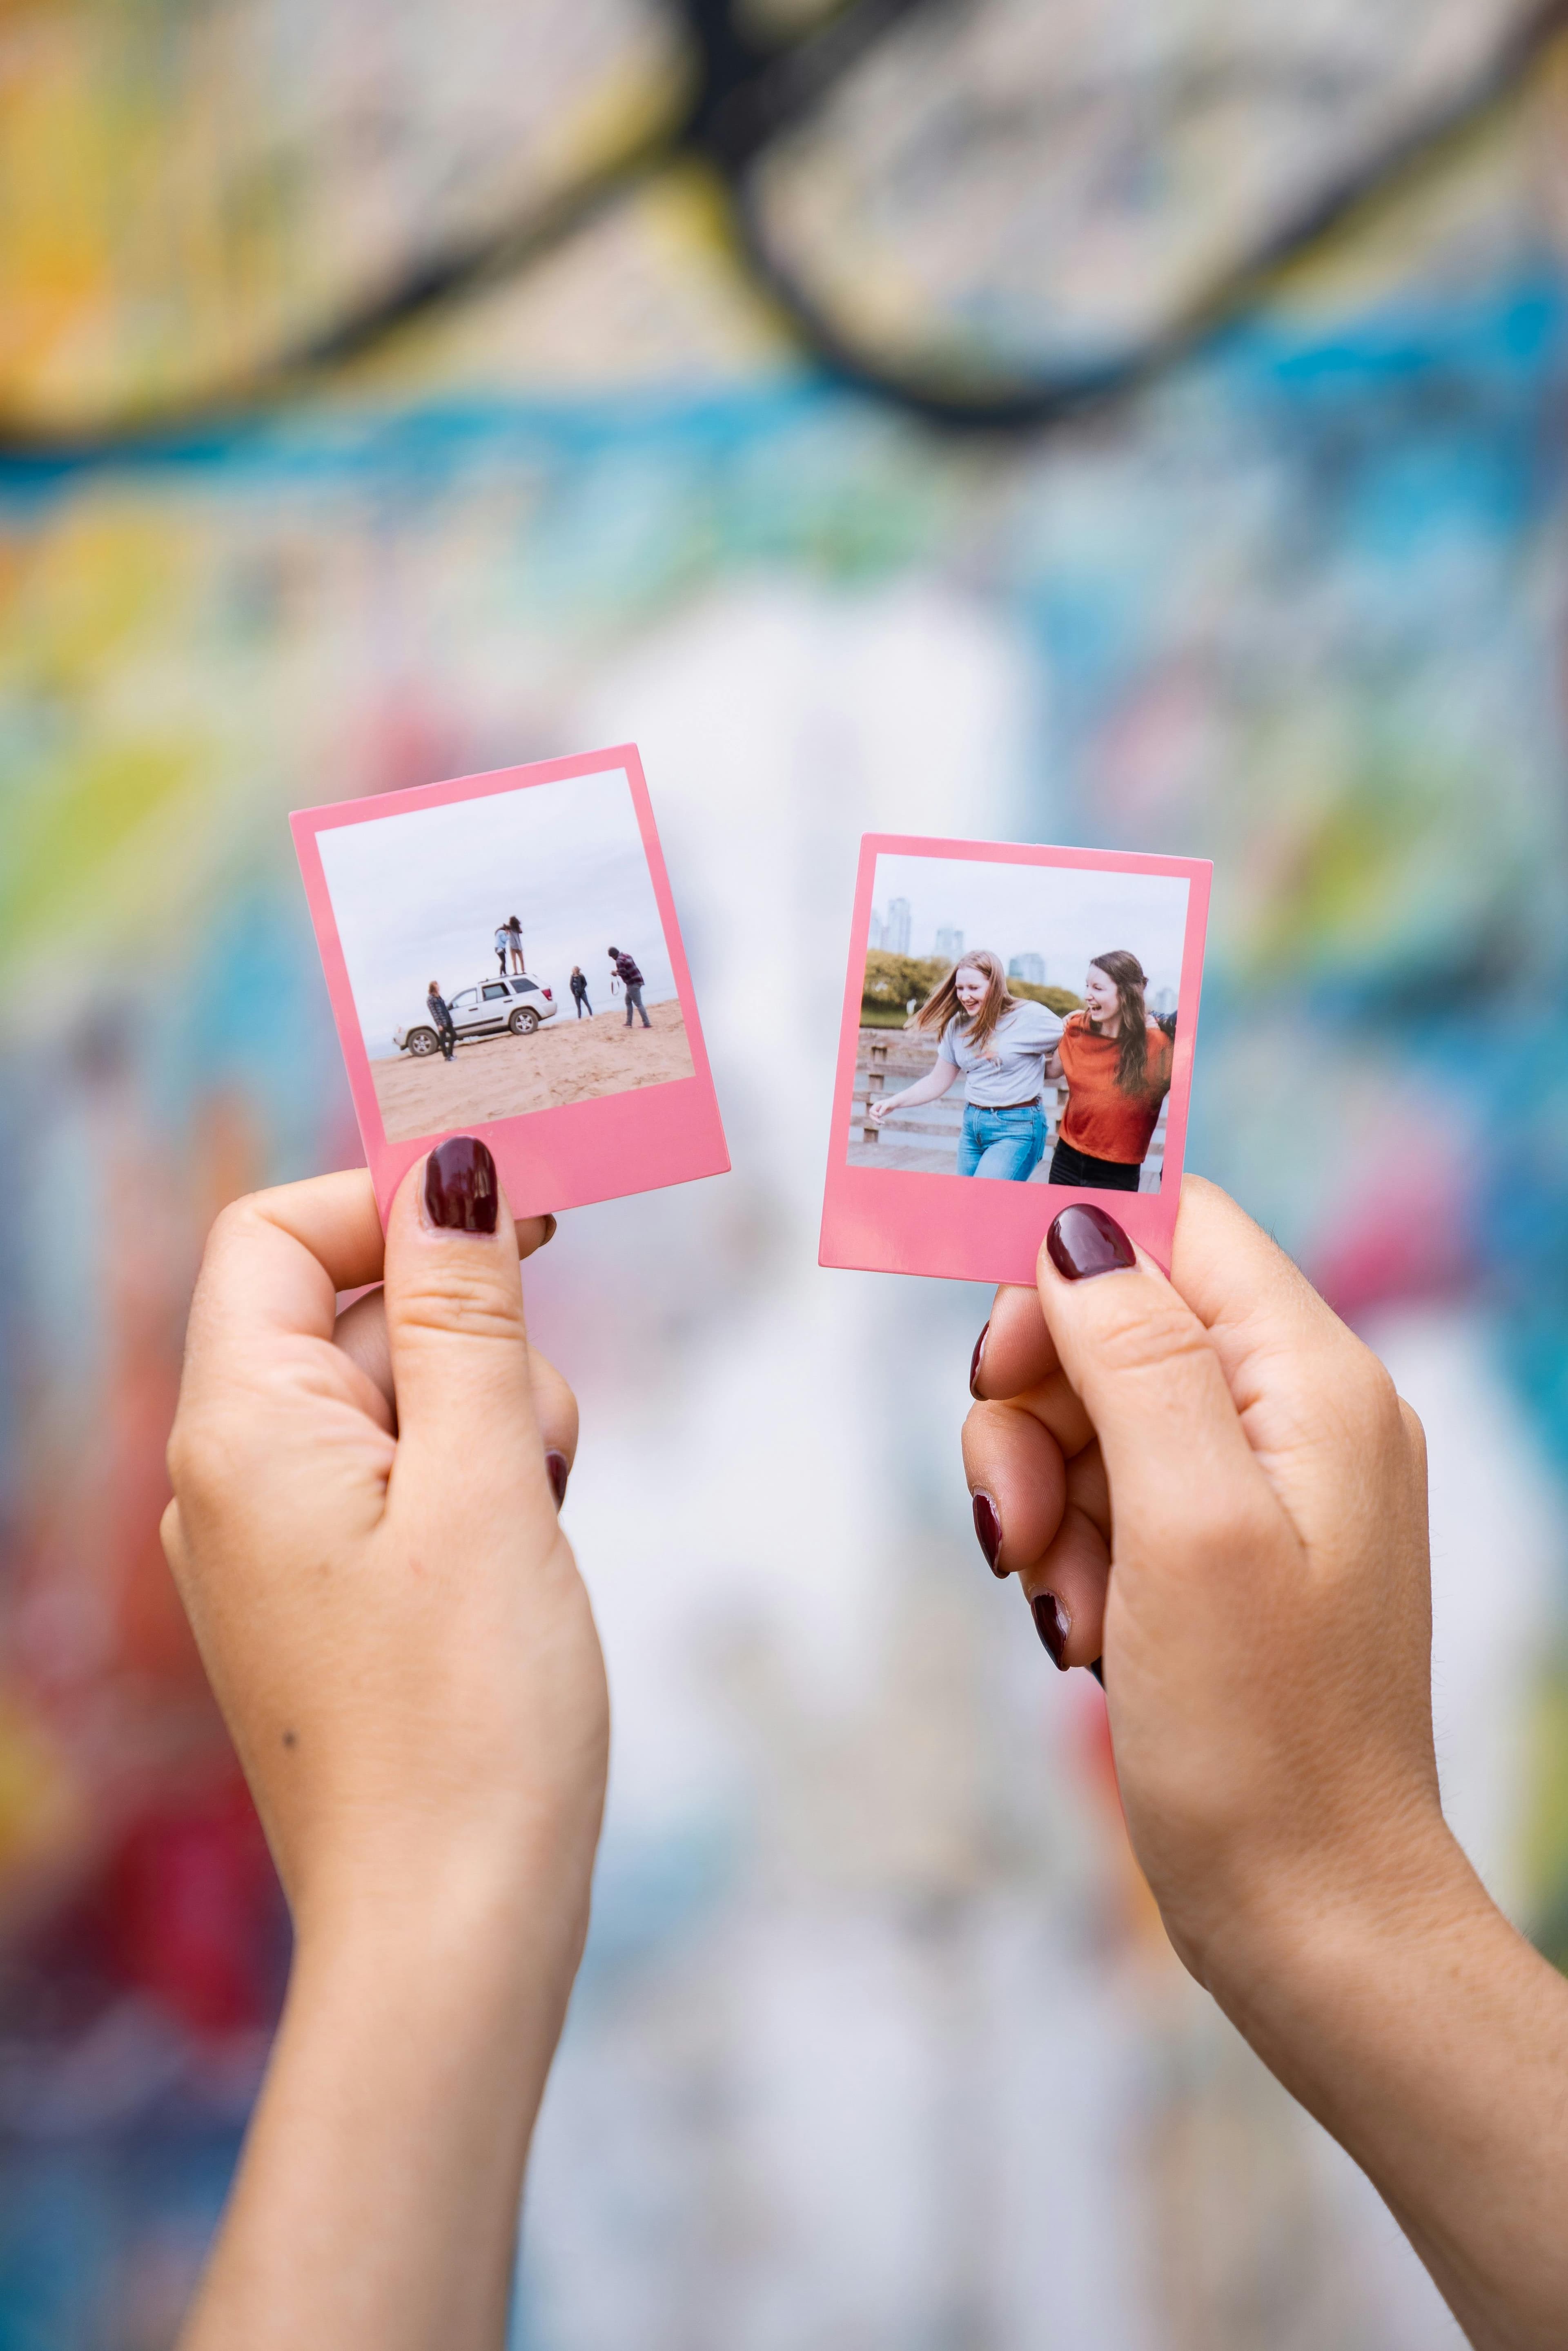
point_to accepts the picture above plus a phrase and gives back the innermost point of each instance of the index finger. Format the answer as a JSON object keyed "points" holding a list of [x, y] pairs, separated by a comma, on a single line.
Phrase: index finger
{"points": [[1014, 1350], [274, 1261]]}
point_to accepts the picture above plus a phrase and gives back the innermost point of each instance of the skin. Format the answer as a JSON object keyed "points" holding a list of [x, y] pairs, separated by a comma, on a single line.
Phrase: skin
{"points": [[403, 1650], [1103, 1006], [1211, 1476], [1215, 1482], [971, 988]]}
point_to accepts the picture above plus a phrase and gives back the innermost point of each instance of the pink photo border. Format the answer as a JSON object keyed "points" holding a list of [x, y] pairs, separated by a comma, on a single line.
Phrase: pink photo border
{"points": [[599, 1149], [960, 1228]]}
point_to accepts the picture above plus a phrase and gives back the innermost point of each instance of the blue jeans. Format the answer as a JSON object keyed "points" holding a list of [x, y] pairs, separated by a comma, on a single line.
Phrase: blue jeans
{"points": [[1007, 1142]]}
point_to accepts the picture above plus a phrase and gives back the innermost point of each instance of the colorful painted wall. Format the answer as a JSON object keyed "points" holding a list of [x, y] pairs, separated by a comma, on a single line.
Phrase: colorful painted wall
{"points": [[877, 2043]]}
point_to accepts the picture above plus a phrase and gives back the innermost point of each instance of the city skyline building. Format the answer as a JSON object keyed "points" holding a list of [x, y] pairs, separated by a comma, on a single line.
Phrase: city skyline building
{"points": [[1030, 968], [949, 943], [895, 927]]}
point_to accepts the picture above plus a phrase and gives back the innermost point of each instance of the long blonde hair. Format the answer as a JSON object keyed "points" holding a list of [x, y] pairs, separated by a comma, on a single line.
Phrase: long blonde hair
{"points": [[942, 1007]]}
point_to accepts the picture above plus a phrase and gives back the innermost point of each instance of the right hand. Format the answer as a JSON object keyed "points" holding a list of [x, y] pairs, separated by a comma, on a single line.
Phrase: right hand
{"points": [[1212, 1482], [877, 1111]]}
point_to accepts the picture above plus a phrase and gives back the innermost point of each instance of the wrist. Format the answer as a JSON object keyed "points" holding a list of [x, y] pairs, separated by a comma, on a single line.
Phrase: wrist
{"points": [[1308, 1961], [508, 1910]]}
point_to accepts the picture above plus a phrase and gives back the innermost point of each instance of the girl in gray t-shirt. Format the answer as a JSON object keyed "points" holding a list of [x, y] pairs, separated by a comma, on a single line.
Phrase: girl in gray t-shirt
{"points": [[999, 1042]]}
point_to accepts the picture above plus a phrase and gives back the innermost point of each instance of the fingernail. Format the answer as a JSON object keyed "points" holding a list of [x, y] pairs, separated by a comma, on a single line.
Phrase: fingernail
{"points": [[1053, 1624], [551, 1228], [989, 1531], [1097, 1667], [1084, 1240], [461, 1194], [556, 1470], [974, 1363]]}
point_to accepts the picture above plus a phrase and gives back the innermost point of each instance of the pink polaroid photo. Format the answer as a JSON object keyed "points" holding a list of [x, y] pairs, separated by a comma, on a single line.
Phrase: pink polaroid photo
{"points": [[504, 960], [1018, 1032]]}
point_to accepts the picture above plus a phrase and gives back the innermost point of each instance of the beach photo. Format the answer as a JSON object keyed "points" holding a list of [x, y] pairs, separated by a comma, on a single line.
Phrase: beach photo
{"points": [[1019, 1023], [505, 953]]}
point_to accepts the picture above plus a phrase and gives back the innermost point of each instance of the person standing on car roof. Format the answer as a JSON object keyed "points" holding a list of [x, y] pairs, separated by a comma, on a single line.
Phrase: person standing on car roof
{"points": [[440, 1012], [579, 991], [503, 941], [515, 933], [632, 980]]}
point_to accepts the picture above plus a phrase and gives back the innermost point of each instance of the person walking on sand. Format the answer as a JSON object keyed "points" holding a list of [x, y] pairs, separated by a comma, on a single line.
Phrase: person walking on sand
{"points": [[440, 1012], [579, 991], [999, 1043], [515, 933], [503, 941], [632, 981], [1116, 1059]]}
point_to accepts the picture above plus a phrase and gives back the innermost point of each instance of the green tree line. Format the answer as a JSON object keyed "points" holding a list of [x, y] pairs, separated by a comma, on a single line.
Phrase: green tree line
{"points": [[892, 979]]}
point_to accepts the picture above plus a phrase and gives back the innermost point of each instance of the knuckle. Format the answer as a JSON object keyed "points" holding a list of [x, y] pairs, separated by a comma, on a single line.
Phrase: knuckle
{"points": [[197, 1456], [471, 1305], [1415, 1434], [1138, 1333]]}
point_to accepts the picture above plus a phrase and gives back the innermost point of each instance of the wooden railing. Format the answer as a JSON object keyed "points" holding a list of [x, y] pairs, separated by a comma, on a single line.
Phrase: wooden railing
{"points": [[888, 1061]]}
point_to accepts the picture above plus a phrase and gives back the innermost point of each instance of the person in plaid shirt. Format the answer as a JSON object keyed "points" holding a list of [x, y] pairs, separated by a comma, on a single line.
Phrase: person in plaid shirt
{"points": [[631, 979]]}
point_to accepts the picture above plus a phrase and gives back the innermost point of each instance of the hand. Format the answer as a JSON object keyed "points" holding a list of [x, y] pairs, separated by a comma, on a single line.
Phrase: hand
{"points": [[1266, 1629], [364, 1532], [388, 1610], [1212, 1482]]}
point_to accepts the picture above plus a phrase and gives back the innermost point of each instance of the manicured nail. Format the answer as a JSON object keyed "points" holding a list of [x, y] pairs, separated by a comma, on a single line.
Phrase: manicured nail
{"points": [[461, 1194], [558, 1472], [1053, 1624], [974, 1363], [1084, 1240], [989, 1531]]}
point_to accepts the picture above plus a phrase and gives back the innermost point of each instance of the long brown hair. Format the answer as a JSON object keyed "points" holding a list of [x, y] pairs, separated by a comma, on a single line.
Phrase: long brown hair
{"points": [[942, 1007], [1128, 978]]}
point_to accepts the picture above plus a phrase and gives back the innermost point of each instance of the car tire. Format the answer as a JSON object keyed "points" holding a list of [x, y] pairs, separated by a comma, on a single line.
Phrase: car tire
{"points": [[422, 1041], [524, 1021]]}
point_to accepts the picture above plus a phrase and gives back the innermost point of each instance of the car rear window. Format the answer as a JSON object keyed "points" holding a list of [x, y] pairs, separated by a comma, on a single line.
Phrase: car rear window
{"points": [[494, 990], [525, 987]]}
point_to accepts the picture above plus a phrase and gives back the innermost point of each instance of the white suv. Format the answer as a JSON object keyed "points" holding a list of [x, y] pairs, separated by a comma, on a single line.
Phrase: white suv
{"points": [[488, 1009]]}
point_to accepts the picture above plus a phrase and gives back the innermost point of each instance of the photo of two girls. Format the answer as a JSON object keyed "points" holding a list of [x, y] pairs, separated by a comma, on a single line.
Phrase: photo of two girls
{"points": [[1049, 1063]]}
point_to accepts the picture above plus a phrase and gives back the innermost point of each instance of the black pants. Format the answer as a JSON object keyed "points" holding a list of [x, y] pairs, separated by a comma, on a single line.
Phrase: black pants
{"points": [[1076, 1167], [580, 1002], [448, 1043]]}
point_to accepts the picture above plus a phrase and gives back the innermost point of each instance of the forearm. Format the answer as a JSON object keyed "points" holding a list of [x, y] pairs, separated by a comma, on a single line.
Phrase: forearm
{"points": [[927, 1089], [1433, 2045], [377, 2200]]}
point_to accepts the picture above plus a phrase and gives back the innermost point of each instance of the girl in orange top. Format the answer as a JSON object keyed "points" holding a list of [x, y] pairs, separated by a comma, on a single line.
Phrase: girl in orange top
{"points": [[1116, 1061]]}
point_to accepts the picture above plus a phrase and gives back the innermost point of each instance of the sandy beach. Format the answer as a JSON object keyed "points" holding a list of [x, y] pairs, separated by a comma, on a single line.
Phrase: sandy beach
{"points": [[498, 1077]]}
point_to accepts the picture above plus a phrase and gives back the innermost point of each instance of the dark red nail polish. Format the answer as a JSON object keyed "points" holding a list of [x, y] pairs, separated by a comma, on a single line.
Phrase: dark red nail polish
{"points": [[974, 1363], [1084, 1240], [461, 1194], [989, 1531], [1053, 1624], [558, 1472]]}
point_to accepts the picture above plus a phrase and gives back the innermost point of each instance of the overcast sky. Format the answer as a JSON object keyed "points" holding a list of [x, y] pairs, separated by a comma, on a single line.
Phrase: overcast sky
{"points": [[418, 895], [1062, 913]]}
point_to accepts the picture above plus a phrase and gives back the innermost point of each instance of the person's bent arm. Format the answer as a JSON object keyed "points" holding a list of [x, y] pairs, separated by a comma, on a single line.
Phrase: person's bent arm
{"points": [[1211, 1482], [935, 1081], [396, 1631]]}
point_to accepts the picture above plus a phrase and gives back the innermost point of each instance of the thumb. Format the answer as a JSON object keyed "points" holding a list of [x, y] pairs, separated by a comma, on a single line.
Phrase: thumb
{"points": [[1187, 1489], [456, 1337]]}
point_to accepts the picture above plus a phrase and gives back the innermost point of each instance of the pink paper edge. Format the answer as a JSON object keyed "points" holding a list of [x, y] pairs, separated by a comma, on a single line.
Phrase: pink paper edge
{"points": [[671, 1133], [964, 1230]]}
